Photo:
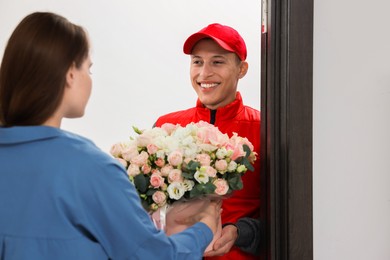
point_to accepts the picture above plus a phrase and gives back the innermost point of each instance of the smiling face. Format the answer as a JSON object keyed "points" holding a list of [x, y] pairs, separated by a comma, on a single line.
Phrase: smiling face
{"points": [[215, 73]]}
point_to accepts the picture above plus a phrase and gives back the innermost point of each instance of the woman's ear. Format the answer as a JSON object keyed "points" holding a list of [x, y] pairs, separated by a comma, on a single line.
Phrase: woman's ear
{"points": [[70, 75], [243, 69]]}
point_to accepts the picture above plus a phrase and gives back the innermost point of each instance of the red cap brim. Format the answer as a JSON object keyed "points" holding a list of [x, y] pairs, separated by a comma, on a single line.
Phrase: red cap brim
{"points": [[193, 40]]}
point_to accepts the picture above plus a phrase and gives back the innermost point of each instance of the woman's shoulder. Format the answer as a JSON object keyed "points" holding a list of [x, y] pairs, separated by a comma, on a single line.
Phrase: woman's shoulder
{"points": [[83, 151]]}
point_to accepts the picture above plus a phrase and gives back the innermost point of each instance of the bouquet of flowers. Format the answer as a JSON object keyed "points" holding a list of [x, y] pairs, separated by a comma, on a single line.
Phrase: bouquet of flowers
{"points": [[174, 168], [174, 163]]}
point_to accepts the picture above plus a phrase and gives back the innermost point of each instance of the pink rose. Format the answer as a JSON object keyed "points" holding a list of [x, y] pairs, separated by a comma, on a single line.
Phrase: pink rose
{"points": [[204, 159], [175, 158], [146, 168], [122, 161], [221, 166], [159, 198], [152, 148], [160, 162], [116, 150], [133, 170], [175, 176], [211, 172], [166, 169], [143, 140], [222, 186], [156, 180], [129, 153], [140, 159]]}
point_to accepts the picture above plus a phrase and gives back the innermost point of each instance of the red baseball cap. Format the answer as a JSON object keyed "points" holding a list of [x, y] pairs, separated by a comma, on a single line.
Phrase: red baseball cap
{"points": [[227, 37]]}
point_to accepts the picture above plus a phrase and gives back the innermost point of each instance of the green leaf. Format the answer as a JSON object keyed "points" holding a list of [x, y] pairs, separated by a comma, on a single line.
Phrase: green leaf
{"points": [[235, 182], [209, 188], [247, 150], [188, 175], [202, 189], [247, 164], [141, 182], [150, 192], [196, 191], [193, 166]]}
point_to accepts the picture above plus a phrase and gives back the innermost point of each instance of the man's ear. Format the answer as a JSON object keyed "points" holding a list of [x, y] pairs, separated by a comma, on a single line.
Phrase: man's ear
{"points": [[70, 75], [243, 69]]}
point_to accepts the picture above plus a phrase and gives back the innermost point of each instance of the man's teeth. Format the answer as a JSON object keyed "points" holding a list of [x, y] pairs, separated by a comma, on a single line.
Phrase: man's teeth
{"points": [[208, 85]]}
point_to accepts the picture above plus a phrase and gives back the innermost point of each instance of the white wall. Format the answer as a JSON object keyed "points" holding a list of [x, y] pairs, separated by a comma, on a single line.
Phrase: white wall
{"points": [[351, 130], [140, 71]]}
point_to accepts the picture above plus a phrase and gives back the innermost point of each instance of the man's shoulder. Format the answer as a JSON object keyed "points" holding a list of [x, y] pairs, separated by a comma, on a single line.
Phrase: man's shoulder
{"points": [[252, 114]]}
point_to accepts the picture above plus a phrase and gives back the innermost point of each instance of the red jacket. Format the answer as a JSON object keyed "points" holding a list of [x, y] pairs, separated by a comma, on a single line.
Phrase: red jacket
{"points": [[245, 121]]}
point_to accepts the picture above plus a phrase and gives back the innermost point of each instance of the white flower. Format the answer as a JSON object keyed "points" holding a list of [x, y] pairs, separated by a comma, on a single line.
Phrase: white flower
{"points": [[201, 176], [188, 184], [232, 166], [176, 190], [221, 153]]}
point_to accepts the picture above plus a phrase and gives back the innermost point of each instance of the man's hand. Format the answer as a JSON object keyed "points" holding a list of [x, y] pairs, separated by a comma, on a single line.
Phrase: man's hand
{"points": [[225, 242]]}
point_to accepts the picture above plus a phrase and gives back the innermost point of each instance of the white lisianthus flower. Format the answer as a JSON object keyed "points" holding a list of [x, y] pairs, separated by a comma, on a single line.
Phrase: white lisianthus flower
{"points": [[241, 168], [201, 176], [176, 190], [191, 150], [221, 153], [188, 140], [232, 166], [188, 185]]}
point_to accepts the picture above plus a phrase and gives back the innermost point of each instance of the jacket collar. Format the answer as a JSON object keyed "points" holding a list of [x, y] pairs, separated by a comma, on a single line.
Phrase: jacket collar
{"points": [[23, 134], [227, 112]]}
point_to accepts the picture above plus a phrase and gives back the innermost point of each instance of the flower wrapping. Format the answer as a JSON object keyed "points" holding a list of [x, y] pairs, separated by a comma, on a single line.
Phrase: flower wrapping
{"points": [[180, 165]]}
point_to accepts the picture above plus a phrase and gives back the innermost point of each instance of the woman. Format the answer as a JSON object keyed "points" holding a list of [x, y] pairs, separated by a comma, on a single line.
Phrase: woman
{"points": [[60, 196]]}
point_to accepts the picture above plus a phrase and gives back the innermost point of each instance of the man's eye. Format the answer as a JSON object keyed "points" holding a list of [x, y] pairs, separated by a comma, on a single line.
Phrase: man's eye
{"points": [[218, 62], [197, 62]]}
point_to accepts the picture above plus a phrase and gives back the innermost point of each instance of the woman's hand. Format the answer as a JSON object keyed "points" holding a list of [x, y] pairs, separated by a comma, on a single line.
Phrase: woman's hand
{"points": [[209, 214]]}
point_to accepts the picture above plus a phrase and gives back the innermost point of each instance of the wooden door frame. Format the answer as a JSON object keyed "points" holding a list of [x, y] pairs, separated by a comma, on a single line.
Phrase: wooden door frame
{"points": [[286, 111]]}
